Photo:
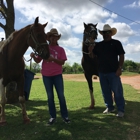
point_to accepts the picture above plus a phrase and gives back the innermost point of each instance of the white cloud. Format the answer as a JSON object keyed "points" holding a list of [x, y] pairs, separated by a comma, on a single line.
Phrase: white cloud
{"points": [[135, 4], [68, 17], [132, 48]]}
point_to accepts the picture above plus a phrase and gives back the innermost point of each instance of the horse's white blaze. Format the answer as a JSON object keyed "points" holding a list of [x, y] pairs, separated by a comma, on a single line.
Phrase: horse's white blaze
{"points": [[93, 28], [2, 90], [5, 42]]}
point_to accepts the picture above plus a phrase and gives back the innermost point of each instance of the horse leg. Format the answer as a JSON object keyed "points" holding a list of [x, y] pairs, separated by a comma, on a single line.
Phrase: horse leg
{"points": [[2, 103], [20, 89], [89, 80], [23, 107]]}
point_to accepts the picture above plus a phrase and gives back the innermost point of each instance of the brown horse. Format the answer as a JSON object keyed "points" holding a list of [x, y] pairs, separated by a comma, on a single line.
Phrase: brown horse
{"points": [[89, 65], [12, 63]]}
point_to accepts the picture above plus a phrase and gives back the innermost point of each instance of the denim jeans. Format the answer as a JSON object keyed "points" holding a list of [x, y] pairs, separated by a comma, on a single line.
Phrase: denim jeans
{"points": [[111, 83], [57, 82]]}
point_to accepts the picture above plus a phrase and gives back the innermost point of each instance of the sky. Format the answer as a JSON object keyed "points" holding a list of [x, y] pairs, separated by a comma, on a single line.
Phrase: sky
{"points": [[68, 17]]}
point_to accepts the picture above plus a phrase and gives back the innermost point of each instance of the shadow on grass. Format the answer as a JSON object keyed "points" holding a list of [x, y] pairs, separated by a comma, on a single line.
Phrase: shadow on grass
{"points": [[85, 124]]}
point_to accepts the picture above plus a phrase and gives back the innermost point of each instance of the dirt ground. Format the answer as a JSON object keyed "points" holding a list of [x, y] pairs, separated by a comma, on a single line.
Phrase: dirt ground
{"points": [[134, 81]]}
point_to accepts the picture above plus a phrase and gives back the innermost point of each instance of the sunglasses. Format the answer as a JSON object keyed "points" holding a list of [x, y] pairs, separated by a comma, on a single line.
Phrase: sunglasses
{"points": [[106, 32]]}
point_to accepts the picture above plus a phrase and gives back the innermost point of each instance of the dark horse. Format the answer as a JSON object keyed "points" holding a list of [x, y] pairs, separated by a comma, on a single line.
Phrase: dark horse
{"points": [[12, 63], [89, 64]]}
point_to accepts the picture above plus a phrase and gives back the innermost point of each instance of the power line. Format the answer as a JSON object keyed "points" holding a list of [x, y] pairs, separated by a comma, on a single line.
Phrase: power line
{"points": [[115, 13]]}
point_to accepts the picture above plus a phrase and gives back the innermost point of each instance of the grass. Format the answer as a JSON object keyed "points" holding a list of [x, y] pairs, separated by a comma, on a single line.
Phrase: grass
{"points": [[126, 73], [85, 124]]}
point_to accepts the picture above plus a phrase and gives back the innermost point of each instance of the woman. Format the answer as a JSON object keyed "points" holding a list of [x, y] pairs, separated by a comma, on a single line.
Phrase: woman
{"points": [[52, 75]]}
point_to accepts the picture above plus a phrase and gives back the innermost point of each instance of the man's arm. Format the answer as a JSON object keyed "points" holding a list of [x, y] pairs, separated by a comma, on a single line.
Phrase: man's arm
{"points": [[121, 61]]}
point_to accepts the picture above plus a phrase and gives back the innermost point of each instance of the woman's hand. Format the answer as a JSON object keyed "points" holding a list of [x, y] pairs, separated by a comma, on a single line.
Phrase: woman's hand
{"points": [[57, 61], [32, 54], [50, 59], [34, 57]]}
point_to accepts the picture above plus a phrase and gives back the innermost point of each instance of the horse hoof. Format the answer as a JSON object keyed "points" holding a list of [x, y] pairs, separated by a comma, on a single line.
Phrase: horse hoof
{"points": [[26, 121], [3, 123], [91, 107]]}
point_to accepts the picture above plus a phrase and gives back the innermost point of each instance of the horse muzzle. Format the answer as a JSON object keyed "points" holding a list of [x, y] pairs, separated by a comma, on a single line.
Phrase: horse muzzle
{"points": [[43, 52], [44, 55]]}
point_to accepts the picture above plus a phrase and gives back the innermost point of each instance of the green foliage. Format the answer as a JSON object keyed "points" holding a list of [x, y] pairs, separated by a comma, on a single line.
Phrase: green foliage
{"points": [[131, 66], [74, 69], [85, 124], [67, 68], [35, 67], [127, 73]]}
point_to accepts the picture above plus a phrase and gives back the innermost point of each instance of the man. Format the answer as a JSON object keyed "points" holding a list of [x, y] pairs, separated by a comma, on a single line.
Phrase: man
{"points": [[110, 54]]}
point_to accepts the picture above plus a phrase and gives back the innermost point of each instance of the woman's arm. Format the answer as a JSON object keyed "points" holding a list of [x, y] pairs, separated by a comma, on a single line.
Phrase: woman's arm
{"points": [[34, 57], [57, 61]]}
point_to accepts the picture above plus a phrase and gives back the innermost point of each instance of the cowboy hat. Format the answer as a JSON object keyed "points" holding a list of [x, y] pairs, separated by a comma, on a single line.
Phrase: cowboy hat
{"points": [[53, 32], [108, 28]]}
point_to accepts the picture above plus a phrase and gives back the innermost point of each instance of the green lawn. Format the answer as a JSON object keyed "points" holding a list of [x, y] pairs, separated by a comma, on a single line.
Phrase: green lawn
{"points": [[85, 124], [126, 73]]}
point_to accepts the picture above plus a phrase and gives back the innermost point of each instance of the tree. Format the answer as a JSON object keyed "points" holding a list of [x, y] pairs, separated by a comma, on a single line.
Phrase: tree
{"points": [[129, 65], [77, 68], [67, 68], [35, 67], [7, 13]]}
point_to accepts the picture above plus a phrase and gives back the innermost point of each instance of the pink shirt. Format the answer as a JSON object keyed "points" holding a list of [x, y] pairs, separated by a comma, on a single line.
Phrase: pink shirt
{"points": [[51, 68]]}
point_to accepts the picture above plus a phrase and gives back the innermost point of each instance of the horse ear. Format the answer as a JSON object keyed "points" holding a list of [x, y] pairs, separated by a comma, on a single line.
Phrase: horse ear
{"points": [[45, 24], [96, 24], [36, 21], [84, 24]]}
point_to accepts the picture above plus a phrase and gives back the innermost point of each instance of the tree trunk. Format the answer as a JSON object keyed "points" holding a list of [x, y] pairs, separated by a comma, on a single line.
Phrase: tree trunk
{"points": [[10, 20]]}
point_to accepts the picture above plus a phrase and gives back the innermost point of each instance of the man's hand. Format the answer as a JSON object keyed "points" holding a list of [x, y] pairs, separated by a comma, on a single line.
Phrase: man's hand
{"points": [[90, 48], [119, 72]]}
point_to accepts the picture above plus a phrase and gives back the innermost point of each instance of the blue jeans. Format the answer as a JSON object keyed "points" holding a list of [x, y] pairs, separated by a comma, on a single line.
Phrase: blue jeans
{"points": [[111, 83], [57, 82]]}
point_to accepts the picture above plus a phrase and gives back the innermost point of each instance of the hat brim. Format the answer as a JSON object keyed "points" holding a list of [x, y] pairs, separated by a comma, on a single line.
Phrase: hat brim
{"points": [[49, 34], [113, 31]]}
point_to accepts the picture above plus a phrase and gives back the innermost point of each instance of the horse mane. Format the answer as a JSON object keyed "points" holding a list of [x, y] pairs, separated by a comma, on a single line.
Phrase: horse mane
{"points": [[10, 38], [6, 42]]}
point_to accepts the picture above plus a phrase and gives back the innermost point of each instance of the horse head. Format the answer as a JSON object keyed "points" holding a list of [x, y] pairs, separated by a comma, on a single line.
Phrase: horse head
{"points": [[90, 33], [37, 39]]}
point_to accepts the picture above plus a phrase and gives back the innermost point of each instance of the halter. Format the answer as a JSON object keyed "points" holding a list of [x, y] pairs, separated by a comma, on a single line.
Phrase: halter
{"points": [[88, 35], [37, 44]]}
